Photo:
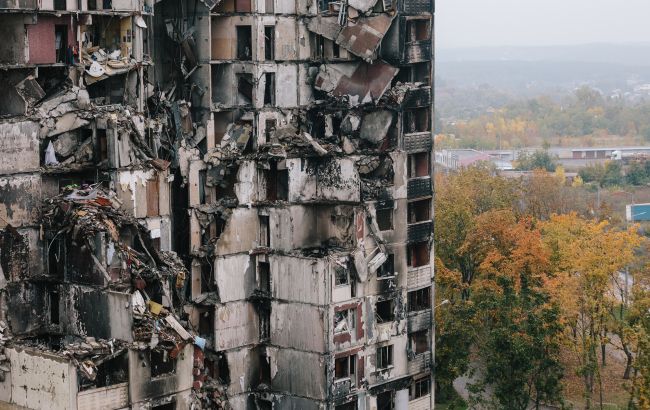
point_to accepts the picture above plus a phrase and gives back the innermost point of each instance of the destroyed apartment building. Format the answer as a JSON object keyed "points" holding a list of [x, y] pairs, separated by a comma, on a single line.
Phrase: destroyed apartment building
{"points": [[216, 204]]}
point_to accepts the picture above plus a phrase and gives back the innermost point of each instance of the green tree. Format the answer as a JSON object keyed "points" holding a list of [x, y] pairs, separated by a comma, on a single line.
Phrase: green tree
{"points": [[613, 174], [540, 159], [636, 174]]}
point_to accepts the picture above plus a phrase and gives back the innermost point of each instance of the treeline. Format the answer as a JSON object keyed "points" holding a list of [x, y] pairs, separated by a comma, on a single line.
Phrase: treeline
{"points": [[530, 281], [528, 123]]}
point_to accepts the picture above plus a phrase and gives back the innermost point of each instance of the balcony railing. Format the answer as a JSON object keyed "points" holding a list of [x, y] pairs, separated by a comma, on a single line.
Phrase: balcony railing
{"points": [[421, 363], [341, 387], [417, 277], [416, 6], [419, 187], [417, 52], [418, 142], [420, 320], [419, 232]]}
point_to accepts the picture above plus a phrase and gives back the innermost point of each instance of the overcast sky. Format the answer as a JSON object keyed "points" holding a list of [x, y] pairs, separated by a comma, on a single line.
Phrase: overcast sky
{"points": [[475, 23]]}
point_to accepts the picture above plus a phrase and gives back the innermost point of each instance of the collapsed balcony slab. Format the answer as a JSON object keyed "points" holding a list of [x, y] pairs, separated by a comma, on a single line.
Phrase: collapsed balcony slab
{"points": [[360, 83]]}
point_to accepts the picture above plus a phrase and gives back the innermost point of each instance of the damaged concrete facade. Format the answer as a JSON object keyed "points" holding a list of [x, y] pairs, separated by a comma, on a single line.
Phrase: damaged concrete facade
{"points": [[216, 204]]}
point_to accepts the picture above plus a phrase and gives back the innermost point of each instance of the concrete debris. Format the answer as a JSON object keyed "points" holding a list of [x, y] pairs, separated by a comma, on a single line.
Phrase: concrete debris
{"points": [[359, 83]]}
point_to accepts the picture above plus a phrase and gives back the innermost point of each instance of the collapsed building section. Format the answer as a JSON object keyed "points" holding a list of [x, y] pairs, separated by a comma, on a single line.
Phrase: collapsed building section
{"points": [[216, 204]]}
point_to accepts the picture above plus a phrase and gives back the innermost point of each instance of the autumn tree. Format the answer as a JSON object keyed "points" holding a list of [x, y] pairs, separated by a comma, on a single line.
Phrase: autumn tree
{"points": [[518, 330], [587, 256]]}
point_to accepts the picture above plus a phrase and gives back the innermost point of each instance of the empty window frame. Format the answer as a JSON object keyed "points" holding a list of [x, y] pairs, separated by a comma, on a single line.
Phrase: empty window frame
{"points": [[345, 367], [341, 276], [345, 321], [419, 342], [419, 165], [264, 271], [420, 388], [417, 120], [385, 219], [417, 30], [419, 211], [269, 129], [387, 270], [384, 357], [419, 299], [269, 89], [59, 4], [245, 89], [277, 182], [418, 254], [385, 311], [265, 233], [269, 43], [61, 42], [386, 400], [244, 43], [160, 363], [347, 406]]}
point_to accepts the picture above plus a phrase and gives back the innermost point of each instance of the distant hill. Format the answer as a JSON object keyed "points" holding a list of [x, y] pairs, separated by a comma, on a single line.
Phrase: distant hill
{"points": [[621, 54], [529, 71]]}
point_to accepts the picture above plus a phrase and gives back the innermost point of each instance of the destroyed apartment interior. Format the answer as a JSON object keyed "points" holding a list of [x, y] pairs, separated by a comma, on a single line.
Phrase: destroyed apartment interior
{"points": [[216, 204]]}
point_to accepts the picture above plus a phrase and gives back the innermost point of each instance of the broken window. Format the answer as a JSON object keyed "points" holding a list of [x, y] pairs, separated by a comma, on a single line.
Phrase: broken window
{"points": [[387, 269], [386, 400], [421, 73], [206, 323], [277, 182], [265, 368], [269, 88], [341, 276], [269, 42], [264, 270], [207, 277], [345, 367], [336, 50], [269, 130], [166, 406], [113, 371], [61, 41], [160, 363], [317, 46], [419, 211], [102, 144], [59, 4], [54, 307], [345, 321], [417, 30], [385, 311], [244, 43], [419, 341], [384, 357], [418, 254], [265, 233], [416, 120], [265, 324], [153, 202], [347, 406], [420, 388], [245, 89], [419, 165], [419, 299], [385, 219], [92, 4]]}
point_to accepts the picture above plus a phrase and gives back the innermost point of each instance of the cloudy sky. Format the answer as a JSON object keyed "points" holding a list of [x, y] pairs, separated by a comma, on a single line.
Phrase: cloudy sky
{"points": [[477, 23]]}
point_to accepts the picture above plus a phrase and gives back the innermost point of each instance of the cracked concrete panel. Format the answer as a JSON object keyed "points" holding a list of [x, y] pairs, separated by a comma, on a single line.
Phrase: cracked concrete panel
{"points": [[293, 365], [21, 198], [298, 326], [235, 277], [19, 147], [299, 279], [375, 126], [236, 324], [241, 232], [363, 37], [361, 83]]}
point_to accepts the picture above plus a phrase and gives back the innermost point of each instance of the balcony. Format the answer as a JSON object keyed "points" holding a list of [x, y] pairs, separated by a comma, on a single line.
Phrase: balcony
{"points": [[420, 364], [418, 277], [419, 188], [420, 320], [417, 97], [419, 232]]}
